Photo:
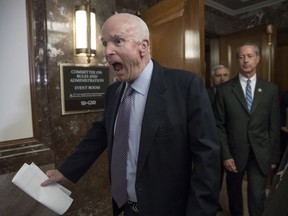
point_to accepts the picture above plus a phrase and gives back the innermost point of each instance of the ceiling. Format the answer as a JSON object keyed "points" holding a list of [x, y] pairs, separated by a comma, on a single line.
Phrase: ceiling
{"points": [[230, 7], [235, 7]]}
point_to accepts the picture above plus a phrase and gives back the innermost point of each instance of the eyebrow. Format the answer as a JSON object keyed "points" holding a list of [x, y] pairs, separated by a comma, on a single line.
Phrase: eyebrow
{"points": [[113, 36]]}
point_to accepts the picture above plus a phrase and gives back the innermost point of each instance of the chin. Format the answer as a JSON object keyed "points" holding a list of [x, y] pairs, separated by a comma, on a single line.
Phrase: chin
{"points": [[121, 78]]}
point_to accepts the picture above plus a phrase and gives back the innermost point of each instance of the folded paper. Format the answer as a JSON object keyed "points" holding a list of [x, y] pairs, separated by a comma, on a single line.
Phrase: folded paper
{"points": [[54, 196]]}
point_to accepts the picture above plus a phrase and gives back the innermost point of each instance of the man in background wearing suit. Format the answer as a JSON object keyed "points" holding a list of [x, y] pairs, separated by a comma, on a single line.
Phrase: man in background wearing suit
{"points": [[247, 116], [172, 165], [219, 75]]}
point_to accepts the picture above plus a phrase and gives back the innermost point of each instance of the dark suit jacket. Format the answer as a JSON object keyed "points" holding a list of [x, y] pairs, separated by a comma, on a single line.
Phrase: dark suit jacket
{"points": [[178, 168], [212, 94], [240, 130], [283, 108], [284, 119]]}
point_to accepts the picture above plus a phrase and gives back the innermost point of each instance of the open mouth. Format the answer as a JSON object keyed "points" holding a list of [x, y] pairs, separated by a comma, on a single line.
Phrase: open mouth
{"points": [[117, 66]]}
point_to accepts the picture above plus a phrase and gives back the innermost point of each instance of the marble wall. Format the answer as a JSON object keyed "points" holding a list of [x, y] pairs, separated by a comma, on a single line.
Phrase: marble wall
{"points": [[68, 130], [92, 193]]}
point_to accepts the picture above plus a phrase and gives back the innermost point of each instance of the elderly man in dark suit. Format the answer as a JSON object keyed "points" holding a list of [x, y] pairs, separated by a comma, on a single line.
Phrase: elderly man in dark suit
{"points": [[247, 115], [219, 75], [172, 164]]}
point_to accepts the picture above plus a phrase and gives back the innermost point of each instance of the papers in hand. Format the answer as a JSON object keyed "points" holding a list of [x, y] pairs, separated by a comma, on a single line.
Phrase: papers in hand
{"points": [[55, 197]]}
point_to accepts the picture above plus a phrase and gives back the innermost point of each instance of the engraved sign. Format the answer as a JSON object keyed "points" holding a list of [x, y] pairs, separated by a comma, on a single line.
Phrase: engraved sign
{"points": [[83, 88]]}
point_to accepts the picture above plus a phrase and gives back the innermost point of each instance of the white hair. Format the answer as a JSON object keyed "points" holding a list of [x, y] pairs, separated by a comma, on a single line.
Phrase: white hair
{"points": [[217, 67]]}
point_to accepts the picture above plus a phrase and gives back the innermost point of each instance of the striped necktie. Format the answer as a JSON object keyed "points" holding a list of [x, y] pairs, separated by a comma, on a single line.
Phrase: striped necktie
{"points": [[248, 95], [120, 149]]}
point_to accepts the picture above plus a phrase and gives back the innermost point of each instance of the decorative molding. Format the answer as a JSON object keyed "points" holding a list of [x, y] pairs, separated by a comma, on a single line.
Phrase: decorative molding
{"points": [[229, 11]]}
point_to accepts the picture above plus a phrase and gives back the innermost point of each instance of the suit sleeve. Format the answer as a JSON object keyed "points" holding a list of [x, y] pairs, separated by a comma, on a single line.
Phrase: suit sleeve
{"points": [[89, 149], [275, 127], [205, 176], [85, 153], [221, 126]]}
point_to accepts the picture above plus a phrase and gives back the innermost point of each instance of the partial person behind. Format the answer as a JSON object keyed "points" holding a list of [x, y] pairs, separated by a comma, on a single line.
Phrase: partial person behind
{"points": [[276, 201], [284, 121], [219, 74]]}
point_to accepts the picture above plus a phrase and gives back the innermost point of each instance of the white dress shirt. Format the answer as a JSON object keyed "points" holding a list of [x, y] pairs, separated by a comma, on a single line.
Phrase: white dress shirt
{"points": [[141, 87], [243, 81]]}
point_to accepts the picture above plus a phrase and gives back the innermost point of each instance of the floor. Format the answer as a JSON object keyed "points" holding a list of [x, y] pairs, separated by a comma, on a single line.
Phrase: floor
{"points": [[224, 200], [15, 202]]}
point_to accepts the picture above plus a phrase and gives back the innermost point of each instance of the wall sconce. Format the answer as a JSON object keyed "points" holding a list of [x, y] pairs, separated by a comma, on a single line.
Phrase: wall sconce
{"points": [[85, 31]]}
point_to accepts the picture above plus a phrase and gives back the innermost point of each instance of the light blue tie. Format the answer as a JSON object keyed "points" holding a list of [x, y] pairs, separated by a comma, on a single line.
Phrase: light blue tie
{"points": [[248, 95]]}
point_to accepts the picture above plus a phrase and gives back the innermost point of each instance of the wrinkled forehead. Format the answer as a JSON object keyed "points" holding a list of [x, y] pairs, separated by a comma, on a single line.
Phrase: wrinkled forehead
{"points": [[117, 26], [221, 71], [247, 49]]}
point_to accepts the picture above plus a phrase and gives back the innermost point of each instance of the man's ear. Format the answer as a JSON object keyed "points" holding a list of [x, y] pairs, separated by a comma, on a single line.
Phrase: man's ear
{"points": [[144, 47]]}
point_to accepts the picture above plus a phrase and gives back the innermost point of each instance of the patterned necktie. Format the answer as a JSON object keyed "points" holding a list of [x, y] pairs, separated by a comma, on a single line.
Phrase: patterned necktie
{"points": [[120, 149], [248, 95]]}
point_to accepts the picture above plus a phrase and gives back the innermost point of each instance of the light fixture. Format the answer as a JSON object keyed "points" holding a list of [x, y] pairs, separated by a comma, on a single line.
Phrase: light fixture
{"points": [[85, 31]]}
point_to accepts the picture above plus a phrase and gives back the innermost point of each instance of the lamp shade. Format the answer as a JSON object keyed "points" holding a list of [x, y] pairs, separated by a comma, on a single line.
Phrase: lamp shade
{"points": [[81, 31]]}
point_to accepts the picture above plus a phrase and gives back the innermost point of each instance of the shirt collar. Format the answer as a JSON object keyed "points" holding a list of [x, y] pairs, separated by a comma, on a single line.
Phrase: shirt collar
{"points": [[141, 84], [244, 79]]}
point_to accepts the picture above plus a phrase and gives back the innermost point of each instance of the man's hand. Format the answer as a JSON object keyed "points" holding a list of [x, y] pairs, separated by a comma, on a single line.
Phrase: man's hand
{"points": [[54, 176], [230, 165]]}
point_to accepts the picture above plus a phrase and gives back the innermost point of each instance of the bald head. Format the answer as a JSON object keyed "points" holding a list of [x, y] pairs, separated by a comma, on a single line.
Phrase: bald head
{"points": [[134, 26], [125, 38]]}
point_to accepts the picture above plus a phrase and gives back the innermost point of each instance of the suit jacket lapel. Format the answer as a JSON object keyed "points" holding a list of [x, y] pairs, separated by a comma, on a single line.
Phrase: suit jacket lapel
{"points": [[257, 94], [238, 91], [152, 114]]}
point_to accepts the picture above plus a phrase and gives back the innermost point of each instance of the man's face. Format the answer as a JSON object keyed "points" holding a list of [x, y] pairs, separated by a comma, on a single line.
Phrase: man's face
{"points": [[221, 75], [121, 50], [248, 60]]}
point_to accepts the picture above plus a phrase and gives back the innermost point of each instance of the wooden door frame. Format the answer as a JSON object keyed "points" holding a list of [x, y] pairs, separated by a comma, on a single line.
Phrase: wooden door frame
{"points": [[193, 14]]}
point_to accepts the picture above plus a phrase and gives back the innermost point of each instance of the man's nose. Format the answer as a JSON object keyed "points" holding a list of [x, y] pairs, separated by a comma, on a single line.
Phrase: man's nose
{"points": [[246, 58], [108, 50]]}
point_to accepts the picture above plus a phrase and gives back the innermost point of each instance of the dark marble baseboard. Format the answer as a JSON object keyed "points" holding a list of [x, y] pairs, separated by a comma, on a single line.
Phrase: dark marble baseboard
{"points": [[12, 161]]}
